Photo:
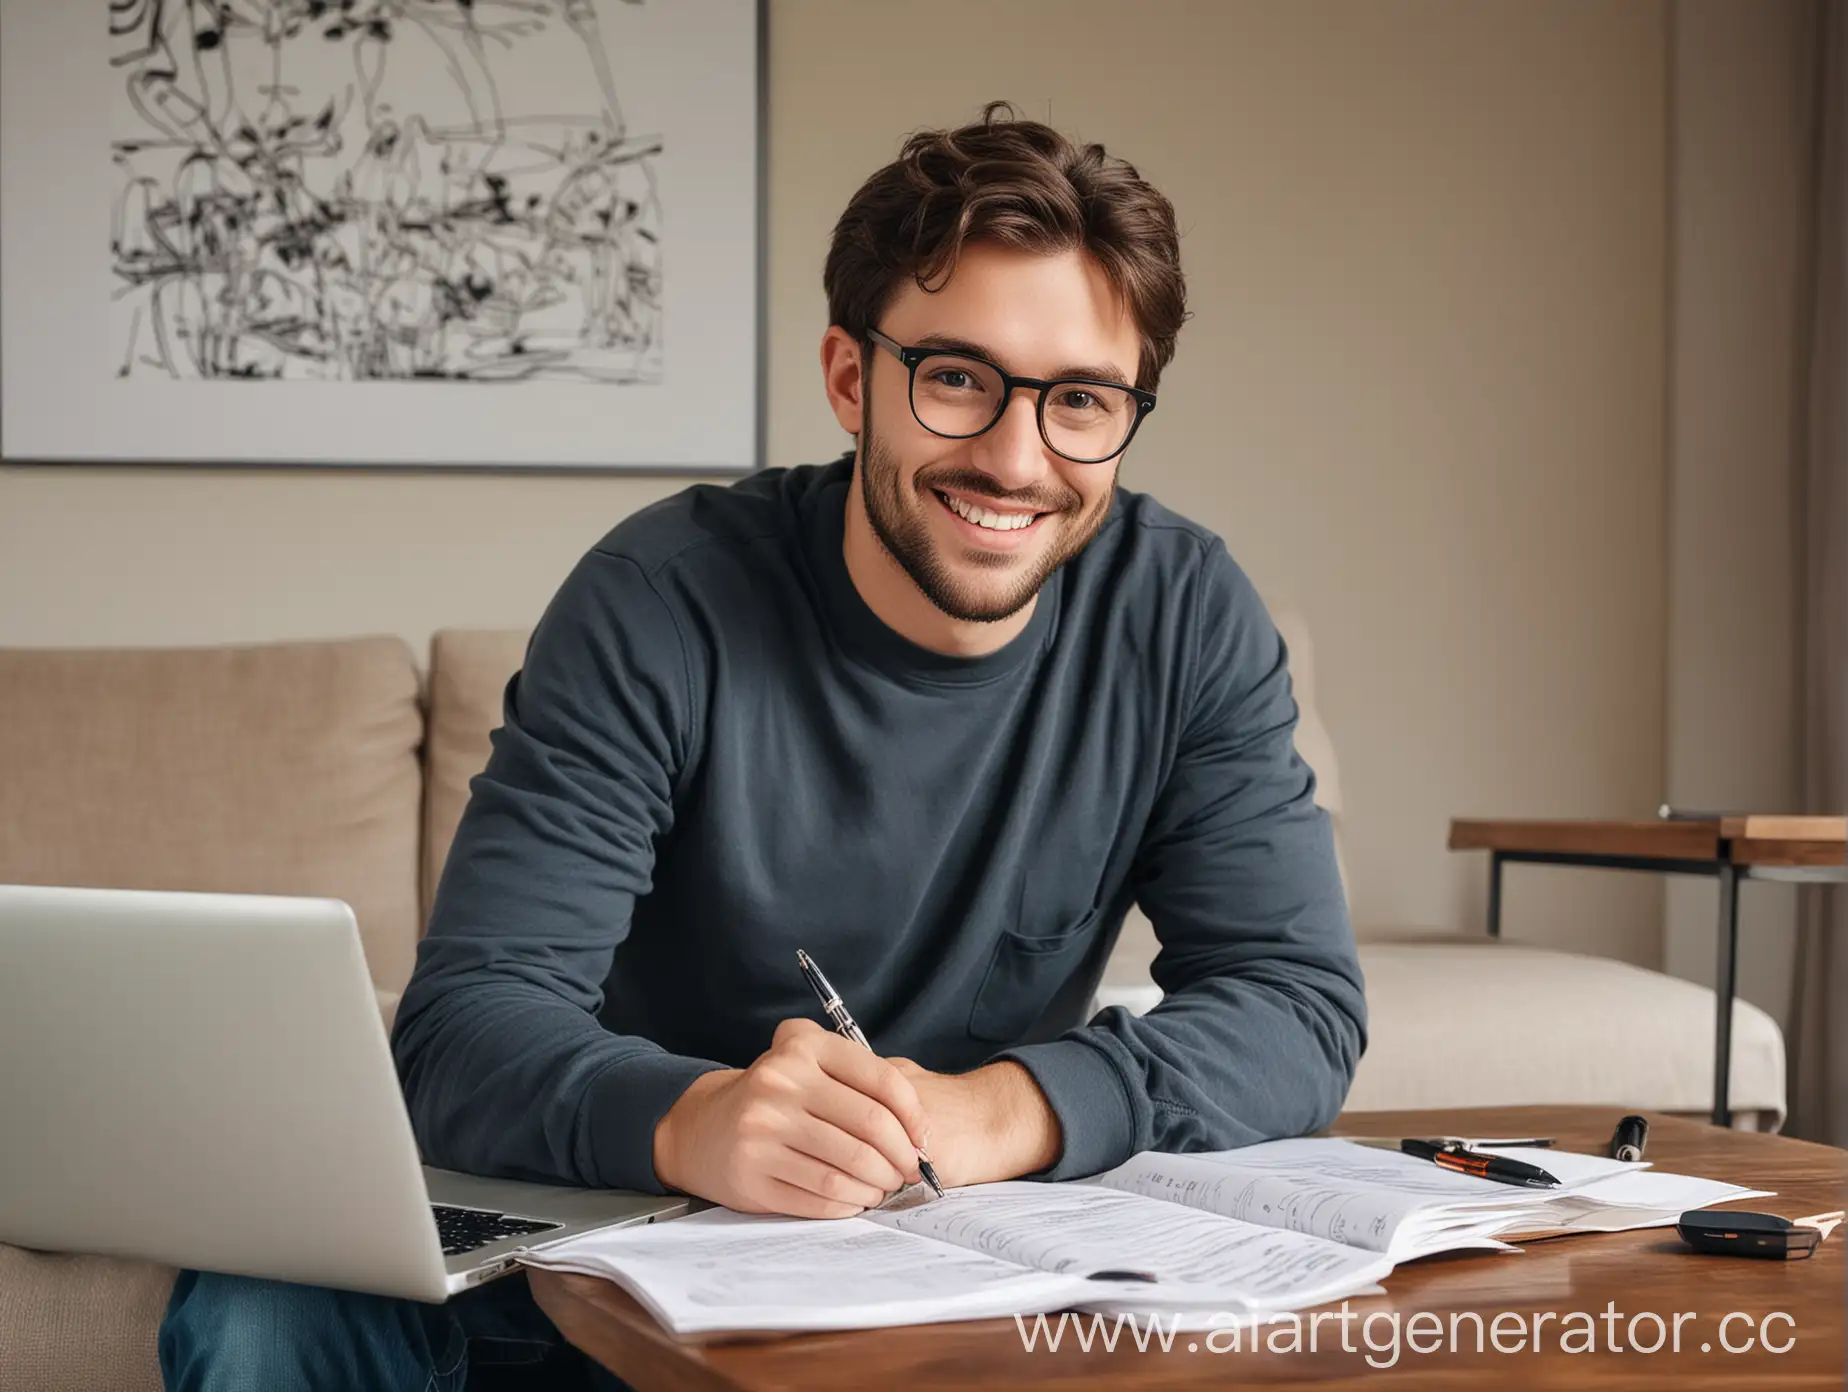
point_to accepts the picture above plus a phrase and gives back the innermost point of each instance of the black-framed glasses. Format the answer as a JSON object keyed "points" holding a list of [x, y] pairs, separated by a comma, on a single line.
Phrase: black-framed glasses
{"points": [[959, 396]]}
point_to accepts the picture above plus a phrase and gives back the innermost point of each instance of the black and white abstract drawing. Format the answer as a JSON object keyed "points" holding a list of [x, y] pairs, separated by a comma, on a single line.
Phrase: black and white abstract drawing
{"points": [[404, 199], [289, 204]]}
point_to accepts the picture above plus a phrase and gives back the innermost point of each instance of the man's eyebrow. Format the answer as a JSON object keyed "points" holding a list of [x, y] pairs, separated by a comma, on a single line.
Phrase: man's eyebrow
{"points": [[1097, 372]]}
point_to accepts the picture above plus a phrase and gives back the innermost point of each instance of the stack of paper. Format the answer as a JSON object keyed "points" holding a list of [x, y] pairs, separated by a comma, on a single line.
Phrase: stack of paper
{"points": [[1205, 1238]]}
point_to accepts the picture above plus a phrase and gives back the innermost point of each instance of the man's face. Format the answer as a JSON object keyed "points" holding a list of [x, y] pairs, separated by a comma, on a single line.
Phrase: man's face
{"points": [[1034, 316]]}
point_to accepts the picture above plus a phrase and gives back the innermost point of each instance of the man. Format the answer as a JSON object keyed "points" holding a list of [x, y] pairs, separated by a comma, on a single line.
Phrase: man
{"points": [[938, 714]]}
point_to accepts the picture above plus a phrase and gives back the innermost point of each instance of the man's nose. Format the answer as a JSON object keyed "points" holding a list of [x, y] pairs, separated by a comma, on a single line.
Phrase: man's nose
{"points": [[1011, 451]]}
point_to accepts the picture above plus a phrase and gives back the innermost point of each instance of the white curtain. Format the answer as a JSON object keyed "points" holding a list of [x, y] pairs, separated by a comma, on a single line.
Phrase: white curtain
{"points": [[1819, 1022]]}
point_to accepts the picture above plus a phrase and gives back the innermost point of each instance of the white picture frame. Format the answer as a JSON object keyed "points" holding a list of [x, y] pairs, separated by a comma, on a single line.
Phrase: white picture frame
{"points": [[452, 234]]}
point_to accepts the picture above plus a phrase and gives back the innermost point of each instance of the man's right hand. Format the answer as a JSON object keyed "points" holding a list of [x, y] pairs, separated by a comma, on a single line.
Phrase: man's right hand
{"points": [[816, 1127]]}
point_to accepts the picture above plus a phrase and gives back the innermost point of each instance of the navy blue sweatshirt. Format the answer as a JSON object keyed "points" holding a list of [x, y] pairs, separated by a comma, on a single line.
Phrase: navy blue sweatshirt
{"points": [[716, 753]]}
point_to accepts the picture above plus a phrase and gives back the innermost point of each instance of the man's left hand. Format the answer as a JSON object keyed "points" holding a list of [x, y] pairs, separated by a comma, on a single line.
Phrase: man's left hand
{"points": [[989, 1124]]}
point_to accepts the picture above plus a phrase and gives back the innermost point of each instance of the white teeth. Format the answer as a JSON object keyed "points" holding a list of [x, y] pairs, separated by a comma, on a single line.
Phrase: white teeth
{"points": [[982, 517]]}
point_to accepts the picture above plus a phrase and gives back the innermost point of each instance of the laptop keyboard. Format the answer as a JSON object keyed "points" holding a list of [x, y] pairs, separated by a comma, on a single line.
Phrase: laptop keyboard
{"points": [[465, 1229]]}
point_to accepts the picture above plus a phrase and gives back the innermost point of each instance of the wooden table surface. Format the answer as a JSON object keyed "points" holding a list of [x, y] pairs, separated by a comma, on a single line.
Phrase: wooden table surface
{"points": [[1646, 1272], [1754, 840]]}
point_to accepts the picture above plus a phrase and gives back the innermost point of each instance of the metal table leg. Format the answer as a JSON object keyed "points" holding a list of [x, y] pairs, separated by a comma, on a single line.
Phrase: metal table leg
{"points": [[1723, 981], [1495, 877]]}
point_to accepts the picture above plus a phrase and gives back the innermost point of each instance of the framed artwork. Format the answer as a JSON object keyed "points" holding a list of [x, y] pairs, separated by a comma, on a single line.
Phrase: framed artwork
{"points": [[465, 234]]}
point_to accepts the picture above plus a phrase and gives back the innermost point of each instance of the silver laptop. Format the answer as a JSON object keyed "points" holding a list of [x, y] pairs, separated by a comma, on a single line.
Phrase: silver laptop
{"points": [[203, 1079]]}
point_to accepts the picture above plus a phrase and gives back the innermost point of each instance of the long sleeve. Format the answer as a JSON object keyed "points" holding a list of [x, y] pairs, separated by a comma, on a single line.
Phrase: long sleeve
{"points": [[1263, 1017], [506, 1069]]}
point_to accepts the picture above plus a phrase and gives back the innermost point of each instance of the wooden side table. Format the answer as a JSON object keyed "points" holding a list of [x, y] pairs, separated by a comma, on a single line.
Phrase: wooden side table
{"points": [[1731, 849]]}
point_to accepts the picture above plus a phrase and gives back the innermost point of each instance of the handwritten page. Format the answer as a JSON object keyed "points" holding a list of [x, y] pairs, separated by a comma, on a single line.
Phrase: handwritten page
{"points": [[723, 1270], [1189, 1256], [1378, 1200]]}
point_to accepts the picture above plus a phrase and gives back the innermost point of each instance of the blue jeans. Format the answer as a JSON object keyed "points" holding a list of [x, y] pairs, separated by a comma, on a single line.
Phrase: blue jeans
{"points": [[239, 1334]]}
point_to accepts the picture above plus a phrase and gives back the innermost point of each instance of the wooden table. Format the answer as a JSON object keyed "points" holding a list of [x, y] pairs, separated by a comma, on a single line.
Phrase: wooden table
{"points": [[1636, 1274], [1730, 849]]}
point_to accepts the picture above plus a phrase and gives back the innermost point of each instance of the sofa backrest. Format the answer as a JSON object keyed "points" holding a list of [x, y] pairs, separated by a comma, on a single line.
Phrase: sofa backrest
{"points": [[287, 768], [469, 670], [1312, 738]]}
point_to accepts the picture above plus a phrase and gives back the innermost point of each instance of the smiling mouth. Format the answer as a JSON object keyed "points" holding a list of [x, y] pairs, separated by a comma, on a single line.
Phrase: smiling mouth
{"points": [[1001, 523]]}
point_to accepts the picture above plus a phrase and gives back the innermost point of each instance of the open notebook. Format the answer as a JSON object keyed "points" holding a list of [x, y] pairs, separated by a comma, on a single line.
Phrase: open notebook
{"points": [[1234, 1234]]}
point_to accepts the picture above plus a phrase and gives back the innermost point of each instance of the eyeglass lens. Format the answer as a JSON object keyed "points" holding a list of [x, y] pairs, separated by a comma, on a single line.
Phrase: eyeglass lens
{"points": [[960, 397]]}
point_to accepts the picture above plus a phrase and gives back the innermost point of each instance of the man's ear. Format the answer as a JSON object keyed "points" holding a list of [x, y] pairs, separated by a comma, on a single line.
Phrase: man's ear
{"points": [[843, 376]]}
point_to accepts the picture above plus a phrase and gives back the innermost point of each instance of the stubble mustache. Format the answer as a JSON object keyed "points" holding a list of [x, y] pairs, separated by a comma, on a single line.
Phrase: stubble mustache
{"points": [[979, 485]]}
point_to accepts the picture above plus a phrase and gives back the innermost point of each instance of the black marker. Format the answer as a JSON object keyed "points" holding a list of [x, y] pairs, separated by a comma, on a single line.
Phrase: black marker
{"points": [[1628, 1140]]}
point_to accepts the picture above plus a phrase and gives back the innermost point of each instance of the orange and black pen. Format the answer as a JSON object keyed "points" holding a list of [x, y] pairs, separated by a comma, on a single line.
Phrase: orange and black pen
{"points": [[1499, 1168]]}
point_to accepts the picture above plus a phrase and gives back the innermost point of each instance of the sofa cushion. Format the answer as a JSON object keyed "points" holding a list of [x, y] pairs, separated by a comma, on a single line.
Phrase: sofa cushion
{"points": [[469, 669], [79, 1324], [1485, 1023], [268, 769], [1541, 1026]]}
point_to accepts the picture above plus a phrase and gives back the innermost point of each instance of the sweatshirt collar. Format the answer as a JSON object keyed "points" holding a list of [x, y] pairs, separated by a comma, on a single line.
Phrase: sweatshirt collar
{"points": [[864, 633]]}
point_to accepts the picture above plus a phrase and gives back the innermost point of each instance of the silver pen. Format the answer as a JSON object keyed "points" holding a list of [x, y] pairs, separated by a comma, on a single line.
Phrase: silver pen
{"points": [[836, 1010]]}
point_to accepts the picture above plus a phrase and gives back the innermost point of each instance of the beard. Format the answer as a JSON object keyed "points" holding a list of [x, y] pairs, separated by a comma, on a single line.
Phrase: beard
{"points": [[903, 529]]}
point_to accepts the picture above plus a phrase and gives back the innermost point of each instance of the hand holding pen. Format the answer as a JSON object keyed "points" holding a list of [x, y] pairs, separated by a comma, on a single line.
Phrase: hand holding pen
{"points": [[818, 1126], [836, 1010]]}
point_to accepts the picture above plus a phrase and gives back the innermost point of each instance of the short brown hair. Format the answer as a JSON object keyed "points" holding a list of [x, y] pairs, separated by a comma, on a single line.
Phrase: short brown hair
{"points": [[1018, 184]]}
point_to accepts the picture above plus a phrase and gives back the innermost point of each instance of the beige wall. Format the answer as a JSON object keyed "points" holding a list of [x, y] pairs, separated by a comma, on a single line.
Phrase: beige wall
{"points": [[1740, 145], [1423, 396]]}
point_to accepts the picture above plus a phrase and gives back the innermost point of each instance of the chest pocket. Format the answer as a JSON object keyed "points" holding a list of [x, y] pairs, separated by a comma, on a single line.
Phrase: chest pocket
{"points": [[1024, 975]]}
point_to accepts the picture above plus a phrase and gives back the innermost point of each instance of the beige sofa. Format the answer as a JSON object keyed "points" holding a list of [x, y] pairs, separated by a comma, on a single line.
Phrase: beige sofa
{"points": [[340, 769]]}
